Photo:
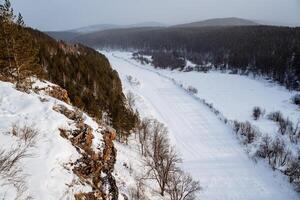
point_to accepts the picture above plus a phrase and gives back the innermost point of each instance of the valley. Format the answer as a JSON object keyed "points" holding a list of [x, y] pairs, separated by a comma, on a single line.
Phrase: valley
{"points": [[209, 148]]}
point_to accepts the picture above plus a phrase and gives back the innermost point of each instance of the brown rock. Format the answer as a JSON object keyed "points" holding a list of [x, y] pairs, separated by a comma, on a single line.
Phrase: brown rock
{"points": [[59, 93]]}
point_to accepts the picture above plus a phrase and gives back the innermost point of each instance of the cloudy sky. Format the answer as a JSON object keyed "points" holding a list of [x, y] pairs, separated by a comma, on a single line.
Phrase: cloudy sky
{"points": [[68, 14]]}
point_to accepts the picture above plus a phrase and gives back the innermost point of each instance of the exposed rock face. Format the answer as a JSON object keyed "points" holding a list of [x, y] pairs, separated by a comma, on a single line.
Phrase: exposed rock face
{"points": [[59, 93], [94, 167], [55, 92]]}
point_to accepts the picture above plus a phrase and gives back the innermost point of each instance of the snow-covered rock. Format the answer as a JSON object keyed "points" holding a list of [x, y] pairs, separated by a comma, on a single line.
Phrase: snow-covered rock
{"points": [[48, 169]]}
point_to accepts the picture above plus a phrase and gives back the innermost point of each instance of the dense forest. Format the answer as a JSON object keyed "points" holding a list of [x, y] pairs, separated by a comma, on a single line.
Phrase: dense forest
{"points": [[86, 74], [268, 51]]}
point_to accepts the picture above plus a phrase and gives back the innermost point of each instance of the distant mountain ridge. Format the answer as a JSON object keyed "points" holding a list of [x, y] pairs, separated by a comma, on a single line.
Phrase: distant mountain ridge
{"points": [[232, 21], [102, 27], [70, 35]]}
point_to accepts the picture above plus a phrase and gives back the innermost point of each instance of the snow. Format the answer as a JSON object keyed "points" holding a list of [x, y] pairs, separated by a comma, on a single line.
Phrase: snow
{"points": [[209, 148], [47, 176], [236, 96], [130, 167]]}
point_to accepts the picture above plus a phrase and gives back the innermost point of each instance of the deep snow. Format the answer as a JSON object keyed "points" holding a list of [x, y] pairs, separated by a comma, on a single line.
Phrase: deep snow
{"points": [[210, 151]]}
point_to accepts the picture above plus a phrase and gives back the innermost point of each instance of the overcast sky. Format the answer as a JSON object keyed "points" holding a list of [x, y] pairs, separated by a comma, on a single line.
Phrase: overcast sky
{"points": [[68, 14]]}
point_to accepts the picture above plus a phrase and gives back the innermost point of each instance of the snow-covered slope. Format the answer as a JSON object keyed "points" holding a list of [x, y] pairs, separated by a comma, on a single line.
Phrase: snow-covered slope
{"points": [[210, 151], [46, 170], [236, 96]]}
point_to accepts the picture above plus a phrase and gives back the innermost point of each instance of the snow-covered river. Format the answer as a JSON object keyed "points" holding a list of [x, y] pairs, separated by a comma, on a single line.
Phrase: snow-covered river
{"points": [[210, 150]]}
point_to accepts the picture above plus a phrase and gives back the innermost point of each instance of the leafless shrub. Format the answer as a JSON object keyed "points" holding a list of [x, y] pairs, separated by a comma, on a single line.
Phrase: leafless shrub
{"points": [[26, 133], [275, 116], [279, 154], [246, 130], [11, 172], [161, 158], [296, 99], [182, 187], [256, 113], [264, 149], [132, 81], [285, 126], [294, 135], [192, 90], [275, 151], [293, 172]]}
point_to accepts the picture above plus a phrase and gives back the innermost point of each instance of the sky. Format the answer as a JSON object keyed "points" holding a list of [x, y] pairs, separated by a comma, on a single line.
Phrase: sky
{"points": [[68, 14]]}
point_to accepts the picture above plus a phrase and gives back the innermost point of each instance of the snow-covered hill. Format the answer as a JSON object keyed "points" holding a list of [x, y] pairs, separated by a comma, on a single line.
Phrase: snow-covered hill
{"points": [[210, 150], [40, 156]]}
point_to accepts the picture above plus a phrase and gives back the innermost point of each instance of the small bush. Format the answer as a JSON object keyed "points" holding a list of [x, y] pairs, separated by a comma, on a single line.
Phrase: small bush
{"points": [[10, 171], [132, 81], [275, 151], [264, 149], [294, 135], [279, 154], [246, 130], [296, 99], [293, 172], [257, 112], [285, 126], [192, 90], [26, 133], [275, 116]]}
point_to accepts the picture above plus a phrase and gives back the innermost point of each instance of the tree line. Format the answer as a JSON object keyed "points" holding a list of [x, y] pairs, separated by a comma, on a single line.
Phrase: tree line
{"points": [[268, 51]]}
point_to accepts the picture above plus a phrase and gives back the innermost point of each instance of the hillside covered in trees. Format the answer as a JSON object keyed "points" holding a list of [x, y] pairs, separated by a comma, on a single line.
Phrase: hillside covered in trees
{"points": [[86, 74], [269, 51]]}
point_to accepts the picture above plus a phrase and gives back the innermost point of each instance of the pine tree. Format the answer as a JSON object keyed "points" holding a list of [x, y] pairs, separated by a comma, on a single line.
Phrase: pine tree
{"points": [[25, 55], [19, 58], [6, 19]]}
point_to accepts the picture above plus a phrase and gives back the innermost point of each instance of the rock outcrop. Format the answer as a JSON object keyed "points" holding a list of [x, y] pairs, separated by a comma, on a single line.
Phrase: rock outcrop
{"points": [[95, 166], [54, 91]]}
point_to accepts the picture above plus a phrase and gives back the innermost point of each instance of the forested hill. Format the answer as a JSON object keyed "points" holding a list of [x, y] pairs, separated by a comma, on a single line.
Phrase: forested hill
{"points": [[231, 21], [86, 74], [263, 50]]}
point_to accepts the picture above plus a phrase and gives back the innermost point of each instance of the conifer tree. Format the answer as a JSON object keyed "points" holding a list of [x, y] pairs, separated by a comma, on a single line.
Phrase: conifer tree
{"points": [[25, 54], [19, 60], [6, 20]]}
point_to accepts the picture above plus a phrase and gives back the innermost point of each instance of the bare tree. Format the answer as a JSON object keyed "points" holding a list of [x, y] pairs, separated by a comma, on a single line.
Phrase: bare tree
{"points": [[130, 99], [182, 187], [161, 158], [143, 131], [138, 192]]}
